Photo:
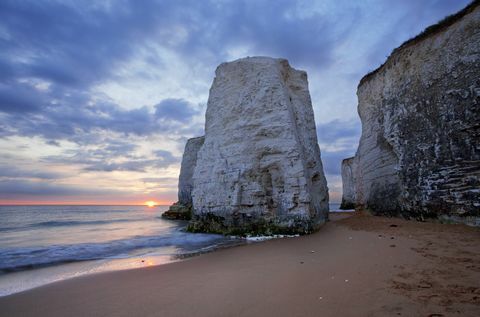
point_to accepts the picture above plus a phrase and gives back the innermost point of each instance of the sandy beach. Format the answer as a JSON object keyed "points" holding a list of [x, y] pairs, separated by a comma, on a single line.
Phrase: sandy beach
{"points": [[356, 265]]}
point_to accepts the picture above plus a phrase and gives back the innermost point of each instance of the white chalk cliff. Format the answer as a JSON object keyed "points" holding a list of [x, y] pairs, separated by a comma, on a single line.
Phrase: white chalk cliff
{"points": [[419, 153], [189, 161], [349, 170], [259, 169], [182, 209]]}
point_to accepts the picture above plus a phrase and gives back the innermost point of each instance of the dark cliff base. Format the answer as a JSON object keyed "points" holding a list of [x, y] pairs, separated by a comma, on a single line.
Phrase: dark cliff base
{"points": [[178, 211], [345, 205], [433, 215], [243, 225]]}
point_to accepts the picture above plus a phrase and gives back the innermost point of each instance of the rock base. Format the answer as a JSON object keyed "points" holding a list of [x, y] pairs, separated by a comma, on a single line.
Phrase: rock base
{"points": [[178, 211], [242, 225], [347, 205]]}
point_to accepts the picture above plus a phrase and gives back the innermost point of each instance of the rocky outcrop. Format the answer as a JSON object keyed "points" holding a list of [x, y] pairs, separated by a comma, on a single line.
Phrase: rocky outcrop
{"points": [[259, 170], [349, 168], [183, 208], [419, 153]]}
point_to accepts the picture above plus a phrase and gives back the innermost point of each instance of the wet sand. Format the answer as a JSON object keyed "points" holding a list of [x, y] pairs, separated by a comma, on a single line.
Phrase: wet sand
{"points": [[354, 266]]}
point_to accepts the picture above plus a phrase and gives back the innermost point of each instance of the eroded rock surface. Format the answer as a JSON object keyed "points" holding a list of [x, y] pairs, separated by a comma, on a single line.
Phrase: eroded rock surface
{"points": [[419, 154], [183, 208], [259, 169], [349, 168]]}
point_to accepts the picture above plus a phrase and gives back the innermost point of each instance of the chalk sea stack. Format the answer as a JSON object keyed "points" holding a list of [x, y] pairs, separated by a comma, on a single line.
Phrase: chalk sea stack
{"points": [[182, 209], [259, 169], [419, 153], [349, 167]]}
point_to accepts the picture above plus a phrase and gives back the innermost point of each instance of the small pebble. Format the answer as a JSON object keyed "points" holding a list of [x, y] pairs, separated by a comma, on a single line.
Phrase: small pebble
{"points": [[320, 298], [346, 281], [312, 251], [301, 262], [392, 245], [392, 238], [143, 261], [393, 226], [350, 238]]}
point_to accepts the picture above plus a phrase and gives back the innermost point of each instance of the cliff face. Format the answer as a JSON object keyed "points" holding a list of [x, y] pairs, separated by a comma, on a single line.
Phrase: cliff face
{"points": [[349, 169], [419, 153], [259, 169], [189, 161], [183, 208]]}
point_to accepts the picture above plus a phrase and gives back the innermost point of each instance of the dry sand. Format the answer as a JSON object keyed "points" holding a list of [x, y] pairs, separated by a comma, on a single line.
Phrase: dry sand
{"points": [[358, 266]]}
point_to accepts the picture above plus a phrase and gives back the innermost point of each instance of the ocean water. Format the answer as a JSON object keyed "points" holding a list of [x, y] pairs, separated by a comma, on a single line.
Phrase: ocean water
{"points": [[43, 244]]}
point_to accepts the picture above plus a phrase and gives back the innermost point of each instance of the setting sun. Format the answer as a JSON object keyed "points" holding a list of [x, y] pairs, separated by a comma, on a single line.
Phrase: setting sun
{"points": [[150, 203]]}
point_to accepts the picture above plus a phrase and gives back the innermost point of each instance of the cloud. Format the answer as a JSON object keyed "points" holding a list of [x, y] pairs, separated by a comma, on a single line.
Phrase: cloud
{"points": [[10, 189], [7, 171], [114, 156], [159, 180], [57, 57], [338, 140], [175, 109], [335, 130]]}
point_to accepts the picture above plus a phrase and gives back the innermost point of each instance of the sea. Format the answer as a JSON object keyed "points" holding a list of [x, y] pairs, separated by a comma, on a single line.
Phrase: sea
{"points": [[43, 244]]}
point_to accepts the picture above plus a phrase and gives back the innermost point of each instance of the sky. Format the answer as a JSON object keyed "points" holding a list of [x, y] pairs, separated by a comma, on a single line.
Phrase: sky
{"points": [[97, 98]]}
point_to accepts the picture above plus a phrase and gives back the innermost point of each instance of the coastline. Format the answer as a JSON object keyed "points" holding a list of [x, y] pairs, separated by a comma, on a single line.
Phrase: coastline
{"points": [[360, 266]]}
